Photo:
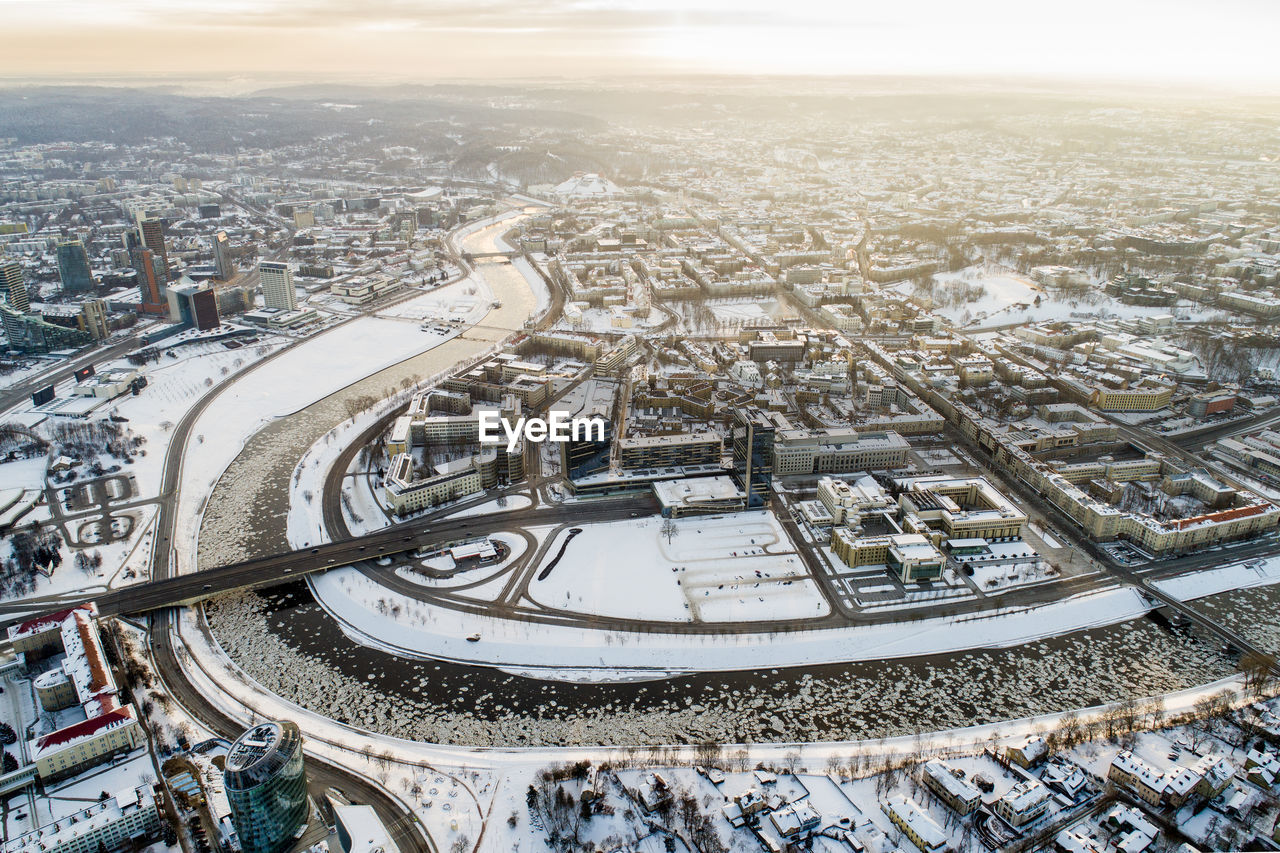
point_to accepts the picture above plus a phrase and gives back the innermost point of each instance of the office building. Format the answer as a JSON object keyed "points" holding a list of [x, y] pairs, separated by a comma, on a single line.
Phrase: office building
{"points": [[224, 267], [266, 787], [152, 231], [193, 304], [752, 439], [73, 267], [152, 274], [582, 457], [277, 285]]}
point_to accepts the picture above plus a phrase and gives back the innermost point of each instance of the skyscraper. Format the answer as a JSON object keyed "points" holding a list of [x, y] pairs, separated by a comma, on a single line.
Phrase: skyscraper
{"points": [[752, 438], [152, 291], [277, 285], [13, 289], [223, 266], [266, 787], [152, 231], [73, 267]]}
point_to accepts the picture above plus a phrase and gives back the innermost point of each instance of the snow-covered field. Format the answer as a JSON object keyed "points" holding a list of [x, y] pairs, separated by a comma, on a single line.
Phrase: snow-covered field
{"points": [[1006, 289], [737, 567], [510, 504], [738, 312]]}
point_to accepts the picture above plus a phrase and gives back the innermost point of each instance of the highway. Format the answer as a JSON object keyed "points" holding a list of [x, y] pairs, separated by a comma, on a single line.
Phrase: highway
{"points": [[64, 370]]}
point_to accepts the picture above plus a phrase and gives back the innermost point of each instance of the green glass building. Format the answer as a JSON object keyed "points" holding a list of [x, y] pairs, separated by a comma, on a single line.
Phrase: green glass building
{"points": [[266, 787]]}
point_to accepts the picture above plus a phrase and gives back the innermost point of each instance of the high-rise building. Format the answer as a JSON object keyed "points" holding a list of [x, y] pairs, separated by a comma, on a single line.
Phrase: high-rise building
{"points": [[223, 266], [752, 438], [152, 231], [150, 285], [93, 318], [277, 285], [193, 304], [13, 289], [13, 296], [73, 267], [266, 787], [587, 455]]}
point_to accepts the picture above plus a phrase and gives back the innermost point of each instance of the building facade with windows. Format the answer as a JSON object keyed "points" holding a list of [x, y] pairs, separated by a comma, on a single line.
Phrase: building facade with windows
{"points": [[266, 786]]}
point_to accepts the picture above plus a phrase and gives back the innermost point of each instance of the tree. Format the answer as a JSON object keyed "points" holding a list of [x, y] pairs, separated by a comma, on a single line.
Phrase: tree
{"points": [[669, 529], [1257, 668]]}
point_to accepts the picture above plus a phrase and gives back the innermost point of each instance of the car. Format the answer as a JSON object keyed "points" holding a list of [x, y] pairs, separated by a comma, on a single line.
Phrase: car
{"points": [[288, 571], [474, 638], [207, 586]]}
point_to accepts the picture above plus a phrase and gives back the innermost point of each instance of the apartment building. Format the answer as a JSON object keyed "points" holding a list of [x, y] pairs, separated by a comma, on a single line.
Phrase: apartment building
{"points": [[129, 820], [1024, 803], [915, 823], [960, 795], [1171, 787]]}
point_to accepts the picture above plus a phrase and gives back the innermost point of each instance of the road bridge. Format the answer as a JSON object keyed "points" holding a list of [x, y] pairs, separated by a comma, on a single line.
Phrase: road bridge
{"points": [[480, 256], [266, 572]]}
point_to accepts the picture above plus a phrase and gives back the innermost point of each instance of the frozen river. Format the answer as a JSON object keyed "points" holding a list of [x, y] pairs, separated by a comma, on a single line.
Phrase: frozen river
{"points": [[290, 646]]}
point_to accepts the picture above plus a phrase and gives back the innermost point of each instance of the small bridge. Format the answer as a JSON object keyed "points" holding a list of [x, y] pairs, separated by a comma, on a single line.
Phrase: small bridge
{"points": [[479, 256]]}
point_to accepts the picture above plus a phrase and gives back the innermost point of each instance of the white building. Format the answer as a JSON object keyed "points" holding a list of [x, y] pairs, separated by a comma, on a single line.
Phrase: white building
{"points": [[276, 279]]}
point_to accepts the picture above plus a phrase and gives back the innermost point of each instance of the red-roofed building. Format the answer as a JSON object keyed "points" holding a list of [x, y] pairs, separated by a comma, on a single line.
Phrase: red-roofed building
{"points": [[81, 681]]}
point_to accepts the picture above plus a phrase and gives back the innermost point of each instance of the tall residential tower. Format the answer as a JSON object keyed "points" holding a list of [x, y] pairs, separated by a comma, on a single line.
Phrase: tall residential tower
{"points": [[277, 285]]}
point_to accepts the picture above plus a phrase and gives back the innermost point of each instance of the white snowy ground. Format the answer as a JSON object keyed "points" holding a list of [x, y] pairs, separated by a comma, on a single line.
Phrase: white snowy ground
{"points": [[310, 371], [316, 368], [174, 386], [1005, 288], [513, 503], [513, 541], [737, 567], [486, 778], [738, 311]]}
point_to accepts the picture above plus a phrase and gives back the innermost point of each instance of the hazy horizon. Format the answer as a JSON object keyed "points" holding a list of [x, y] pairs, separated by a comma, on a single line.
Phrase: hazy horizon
{"points": [[1162, 43]]}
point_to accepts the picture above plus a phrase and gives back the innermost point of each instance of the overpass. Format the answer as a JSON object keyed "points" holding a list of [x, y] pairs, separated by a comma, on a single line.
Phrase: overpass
{"points": [[266, 572], [479, 256]]}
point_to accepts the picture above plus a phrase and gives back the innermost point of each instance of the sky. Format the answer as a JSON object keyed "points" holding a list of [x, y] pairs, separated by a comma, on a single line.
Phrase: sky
{"points": [[1218, 43]]}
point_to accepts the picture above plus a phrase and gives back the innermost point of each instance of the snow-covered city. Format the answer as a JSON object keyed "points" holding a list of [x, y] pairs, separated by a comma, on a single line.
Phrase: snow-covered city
{"points": [[470, 428]]}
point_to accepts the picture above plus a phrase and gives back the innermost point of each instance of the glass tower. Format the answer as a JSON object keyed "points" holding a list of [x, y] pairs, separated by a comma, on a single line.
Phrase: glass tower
{"points": [[73, 267], [752, 437], [267, 787]]}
